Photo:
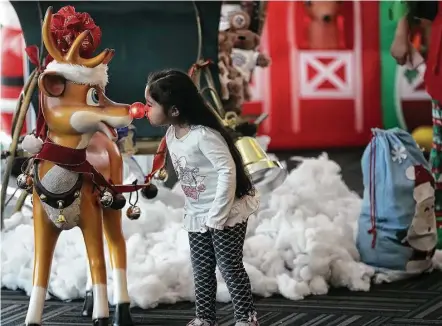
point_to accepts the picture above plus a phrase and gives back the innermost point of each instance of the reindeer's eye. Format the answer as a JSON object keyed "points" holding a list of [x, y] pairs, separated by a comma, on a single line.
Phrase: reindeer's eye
{"points": [[92, 98]]}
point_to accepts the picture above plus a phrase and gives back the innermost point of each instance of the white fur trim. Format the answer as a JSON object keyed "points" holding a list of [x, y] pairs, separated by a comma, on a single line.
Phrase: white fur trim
{"points": [[81, 74], [409, 173], [32, 144]]}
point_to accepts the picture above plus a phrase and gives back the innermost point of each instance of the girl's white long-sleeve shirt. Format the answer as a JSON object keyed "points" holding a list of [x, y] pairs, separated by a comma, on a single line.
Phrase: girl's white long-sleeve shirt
{"points": [[207, 174]]}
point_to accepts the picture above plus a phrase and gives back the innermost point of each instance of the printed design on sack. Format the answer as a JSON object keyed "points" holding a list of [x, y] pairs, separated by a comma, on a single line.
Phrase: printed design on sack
{"points": [[191, 182], [398, 154], [421, 236]]}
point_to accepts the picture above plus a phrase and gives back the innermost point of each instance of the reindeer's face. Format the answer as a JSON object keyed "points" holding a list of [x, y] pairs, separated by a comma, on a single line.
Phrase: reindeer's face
{"points": [[75, 109], [325, 11]]}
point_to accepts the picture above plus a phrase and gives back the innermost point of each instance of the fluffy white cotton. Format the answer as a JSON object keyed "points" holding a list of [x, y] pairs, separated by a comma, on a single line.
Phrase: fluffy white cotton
{"points": [[32, 144], [300, 244]]}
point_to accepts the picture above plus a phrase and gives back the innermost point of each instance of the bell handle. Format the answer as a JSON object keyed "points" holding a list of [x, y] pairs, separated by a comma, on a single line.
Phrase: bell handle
{"points": [[261, 119]]}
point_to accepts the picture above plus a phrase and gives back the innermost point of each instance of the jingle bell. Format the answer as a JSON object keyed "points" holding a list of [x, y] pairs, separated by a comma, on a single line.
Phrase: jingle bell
{"points": [[119, 202], [61, 219], [149, 192], [266, 174], [106, 199], [161, 175], [133, 212], [24, 182]]}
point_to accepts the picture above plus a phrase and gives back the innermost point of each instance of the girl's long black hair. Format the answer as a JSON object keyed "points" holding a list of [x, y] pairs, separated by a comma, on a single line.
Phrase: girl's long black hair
{"points": [[174, 88]]}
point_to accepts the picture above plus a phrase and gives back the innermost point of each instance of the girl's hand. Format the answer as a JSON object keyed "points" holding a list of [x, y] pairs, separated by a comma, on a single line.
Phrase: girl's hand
{"points": [[401, 50], [401, 47]]}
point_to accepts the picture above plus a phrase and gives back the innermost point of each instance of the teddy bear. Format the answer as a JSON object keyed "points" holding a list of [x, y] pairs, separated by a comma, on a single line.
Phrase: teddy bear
{"points": [[240, 45], [245, 56]]}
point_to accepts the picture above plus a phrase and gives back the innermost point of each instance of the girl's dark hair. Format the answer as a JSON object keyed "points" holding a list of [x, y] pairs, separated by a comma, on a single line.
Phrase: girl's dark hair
{"points": [[421, 9], [174, 88]]}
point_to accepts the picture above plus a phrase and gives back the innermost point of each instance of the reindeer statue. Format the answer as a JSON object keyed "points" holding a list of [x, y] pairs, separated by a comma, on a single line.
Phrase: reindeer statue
{"points": [[76, 164]]}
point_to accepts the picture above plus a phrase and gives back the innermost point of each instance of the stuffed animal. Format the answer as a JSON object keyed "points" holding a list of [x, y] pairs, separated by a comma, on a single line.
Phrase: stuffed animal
{"points": [[325, 30], [225, 45], [227, 9], [241, 44], [235, 88], [245, 57], [245, 54]]}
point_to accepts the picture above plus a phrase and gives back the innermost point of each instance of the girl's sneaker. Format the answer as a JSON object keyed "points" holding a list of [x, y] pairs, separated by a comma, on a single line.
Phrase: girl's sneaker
{"points": [[201, 322]]}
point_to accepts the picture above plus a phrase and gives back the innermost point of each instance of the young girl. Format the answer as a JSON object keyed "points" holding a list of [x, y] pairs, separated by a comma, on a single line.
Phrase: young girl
{"points": [[430, 14], [219, 194]]}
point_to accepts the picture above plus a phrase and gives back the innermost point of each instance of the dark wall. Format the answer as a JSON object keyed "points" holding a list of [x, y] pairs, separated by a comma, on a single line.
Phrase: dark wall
{"points": [[146, 36]]}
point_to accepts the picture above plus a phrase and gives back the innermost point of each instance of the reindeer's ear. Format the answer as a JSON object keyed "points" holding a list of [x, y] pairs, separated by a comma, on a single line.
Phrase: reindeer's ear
{"points": [[52, 84]]}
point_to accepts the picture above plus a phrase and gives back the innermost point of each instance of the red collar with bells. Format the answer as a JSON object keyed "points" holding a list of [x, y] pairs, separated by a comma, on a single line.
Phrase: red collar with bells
{"points": [[75, 160]]}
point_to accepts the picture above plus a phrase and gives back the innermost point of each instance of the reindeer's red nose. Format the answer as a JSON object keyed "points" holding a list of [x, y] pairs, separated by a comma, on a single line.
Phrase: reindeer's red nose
{"points": [[137, 110]]}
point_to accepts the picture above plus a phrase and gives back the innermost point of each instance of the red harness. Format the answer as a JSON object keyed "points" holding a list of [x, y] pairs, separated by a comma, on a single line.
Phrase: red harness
{"points": [[75, 160]]}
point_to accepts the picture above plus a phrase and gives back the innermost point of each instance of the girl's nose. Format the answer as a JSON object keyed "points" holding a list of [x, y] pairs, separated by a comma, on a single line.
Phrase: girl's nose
{"points": [[138, 110]]}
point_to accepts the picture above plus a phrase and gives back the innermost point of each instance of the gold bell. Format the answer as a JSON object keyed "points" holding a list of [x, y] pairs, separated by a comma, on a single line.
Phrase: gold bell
{"points": [[161, 174], [133, 212], [60, 219], [266, 174]]}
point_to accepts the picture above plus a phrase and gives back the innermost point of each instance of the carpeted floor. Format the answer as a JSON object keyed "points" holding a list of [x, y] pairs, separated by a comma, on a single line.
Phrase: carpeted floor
{"points": [[413, 302]]}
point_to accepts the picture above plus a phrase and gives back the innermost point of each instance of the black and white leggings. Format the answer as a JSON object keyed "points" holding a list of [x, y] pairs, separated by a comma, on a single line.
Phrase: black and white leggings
{"points": [[225, 249]]}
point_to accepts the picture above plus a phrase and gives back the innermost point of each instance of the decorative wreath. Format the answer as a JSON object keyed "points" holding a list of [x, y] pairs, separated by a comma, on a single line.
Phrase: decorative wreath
{"points": [[67, 24]]}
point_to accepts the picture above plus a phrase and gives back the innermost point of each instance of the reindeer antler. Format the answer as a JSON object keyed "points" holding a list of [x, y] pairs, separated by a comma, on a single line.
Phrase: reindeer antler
{"points": [[73, 56], [48, 40]]}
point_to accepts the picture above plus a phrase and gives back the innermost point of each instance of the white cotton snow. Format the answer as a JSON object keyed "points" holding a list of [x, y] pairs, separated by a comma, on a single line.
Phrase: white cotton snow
{"points": [[300, 244]]}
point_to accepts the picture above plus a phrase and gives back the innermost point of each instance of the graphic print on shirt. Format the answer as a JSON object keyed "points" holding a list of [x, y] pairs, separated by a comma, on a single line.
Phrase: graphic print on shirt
{"points": [[191, 182]]}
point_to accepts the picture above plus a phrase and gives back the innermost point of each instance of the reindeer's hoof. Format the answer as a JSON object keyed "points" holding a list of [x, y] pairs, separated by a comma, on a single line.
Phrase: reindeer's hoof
{"points": [[88, 305], [122, 315], [101, 322], [32, 325]]}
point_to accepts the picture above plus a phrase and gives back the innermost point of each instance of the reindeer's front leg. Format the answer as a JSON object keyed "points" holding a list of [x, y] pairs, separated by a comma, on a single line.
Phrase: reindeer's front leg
{"points": [[91, 226], [117, 249], [45, 238]]}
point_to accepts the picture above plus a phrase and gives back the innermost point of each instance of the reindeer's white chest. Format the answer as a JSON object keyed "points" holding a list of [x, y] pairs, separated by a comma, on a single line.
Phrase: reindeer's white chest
{"points": [[59, 181]]}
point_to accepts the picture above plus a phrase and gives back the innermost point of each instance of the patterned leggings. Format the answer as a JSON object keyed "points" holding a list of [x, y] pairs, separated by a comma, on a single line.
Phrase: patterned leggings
{"points": [[436, 166], [225, 248]]}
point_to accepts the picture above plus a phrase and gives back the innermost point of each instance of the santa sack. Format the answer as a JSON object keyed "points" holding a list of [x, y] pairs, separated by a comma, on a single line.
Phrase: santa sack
{"points": [[397, 226]]}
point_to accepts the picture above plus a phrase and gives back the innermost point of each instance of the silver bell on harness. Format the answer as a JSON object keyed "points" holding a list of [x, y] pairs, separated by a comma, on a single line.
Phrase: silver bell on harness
{"points": [[133, 212], [106, 199], [24, 181]]}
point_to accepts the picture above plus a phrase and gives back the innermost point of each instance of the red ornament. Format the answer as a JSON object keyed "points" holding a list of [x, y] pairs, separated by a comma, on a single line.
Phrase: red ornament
{"points": [[67, 24], [137, 110]]}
